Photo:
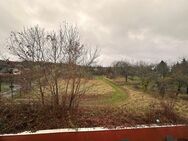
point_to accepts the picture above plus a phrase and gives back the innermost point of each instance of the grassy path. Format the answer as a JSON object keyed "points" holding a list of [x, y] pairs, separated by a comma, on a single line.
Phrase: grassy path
{"points": [[119, 95]]}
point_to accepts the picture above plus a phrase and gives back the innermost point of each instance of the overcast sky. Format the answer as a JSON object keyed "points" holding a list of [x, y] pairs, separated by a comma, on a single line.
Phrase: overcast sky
{"points": [[148, 30]]}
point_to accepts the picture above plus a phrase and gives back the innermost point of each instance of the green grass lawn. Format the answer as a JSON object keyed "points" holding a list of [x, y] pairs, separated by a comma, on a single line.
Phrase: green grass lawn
{"points": [[4, 87], [119, 94]]}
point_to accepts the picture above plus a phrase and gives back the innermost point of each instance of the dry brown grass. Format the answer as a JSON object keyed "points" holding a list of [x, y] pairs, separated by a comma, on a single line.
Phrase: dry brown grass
{"points": [[138, 108], [101, 95], [141, 101]]}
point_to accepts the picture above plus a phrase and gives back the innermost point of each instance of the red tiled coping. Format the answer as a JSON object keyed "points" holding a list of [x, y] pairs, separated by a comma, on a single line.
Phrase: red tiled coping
{"points": [[138, 133]]}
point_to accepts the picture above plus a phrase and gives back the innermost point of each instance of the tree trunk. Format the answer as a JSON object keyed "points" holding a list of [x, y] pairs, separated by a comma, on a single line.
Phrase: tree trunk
{"points": [[0, 86], [72, 96], [71, 102], [145, 87], [126, 77], [56, 99], [187, 89], [178, 90], [11, 88], [56, 91], [41, 92], [162, 91], [42, 95]]}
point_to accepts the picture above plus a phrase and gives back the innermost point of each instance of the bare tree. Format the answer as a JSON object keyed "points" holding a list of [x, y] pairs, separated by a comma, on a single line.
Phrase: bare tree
{"points": [[74, 59], [55, 57], [28, 45], [123, 68]]}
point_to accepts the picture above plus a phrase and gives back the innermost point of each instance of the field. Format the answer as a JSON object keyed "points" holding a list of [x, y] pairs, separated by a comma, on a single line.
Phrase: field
{"points": [[109, 103], [111, 93], [104, 93]]}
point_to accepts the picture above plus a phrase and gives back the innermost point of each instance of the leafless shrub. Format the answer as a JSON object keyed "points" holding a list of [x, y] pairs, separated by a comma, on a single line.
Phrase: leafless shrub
{"points": [[163, 112], [52, 57]]}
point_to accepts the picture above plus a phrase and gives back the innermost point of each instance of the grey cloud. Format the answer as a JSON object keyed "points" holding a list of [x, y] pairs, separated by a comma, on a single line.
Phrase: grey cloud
{"points": [[147, 30]]}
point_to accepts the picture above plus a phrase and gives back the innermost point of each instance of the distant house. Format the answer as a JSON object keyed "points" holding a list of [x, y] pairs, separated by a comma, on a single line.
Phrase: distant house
{"points": [[16, 71], [13, 71], [11, 67]]}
